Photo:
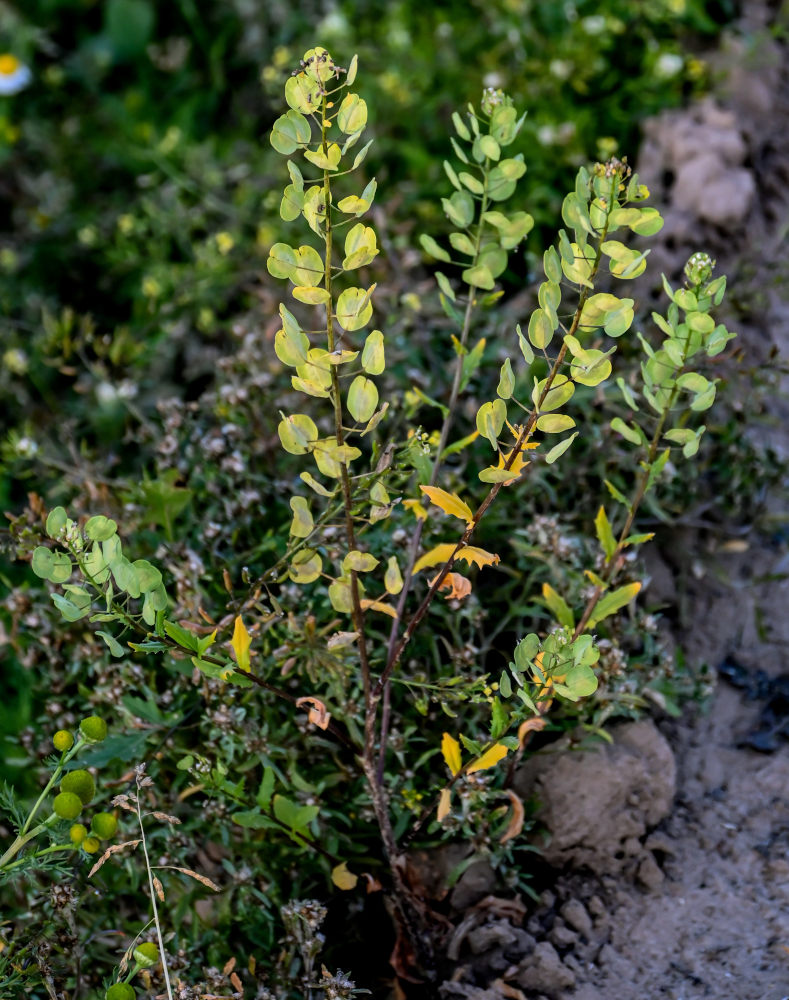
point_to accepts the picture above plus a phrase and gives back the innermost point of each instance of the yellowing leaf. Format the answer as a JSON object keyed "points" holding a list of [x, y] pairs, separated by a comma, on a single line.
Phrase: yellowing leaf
{"points": [[416, 509], [450, 751], [342, 878], [393, 578], [440, 554], [302, 523], [241, 642], [489, 759], [458, 586], [382, 606], [533, 725], [444, 805], [450, 503]]}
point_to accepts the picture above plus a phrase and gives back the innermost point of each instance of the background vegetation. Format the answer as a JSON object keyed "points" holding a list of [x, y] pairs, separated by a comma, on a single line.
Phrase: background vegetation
{"points": [[139, 198]]}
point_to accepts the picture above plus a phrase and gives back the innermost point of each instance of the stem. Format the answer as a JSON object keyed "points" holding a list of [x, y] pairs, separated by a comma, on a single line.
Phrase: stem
{"points": [[38, 854], [152, 890]]}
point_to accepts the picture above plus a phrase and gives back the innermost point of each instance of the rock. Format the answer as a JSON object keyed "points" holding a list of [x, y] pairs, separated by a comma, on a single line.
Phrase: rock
{"points": [[575, 915], [544, 971], [493, 935], [649, 874], [594, 802], [562, 936], [476, 882]]}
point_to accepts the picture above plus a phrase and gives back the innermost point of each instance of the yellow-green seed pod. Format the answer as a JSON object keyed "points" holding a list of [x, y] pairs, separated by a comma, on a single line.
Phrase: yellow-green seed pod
{"points": [[67, 805], [146, 954], [63, 740], [91, 844], [78, 833], [80, 783], [104, 825], [93, 729], [120, 991]]}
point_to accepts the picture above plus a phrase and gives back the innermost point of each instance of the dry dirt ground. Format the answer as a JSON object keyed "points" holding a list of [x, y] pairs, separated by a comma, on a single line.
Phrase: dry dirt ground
{"points": [[671, 847]]}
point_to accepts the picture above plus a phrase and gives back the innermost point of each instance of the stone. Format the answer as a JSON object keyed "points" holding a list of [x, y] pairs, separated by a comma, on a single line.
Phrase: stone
{"points": [[543, 971]]}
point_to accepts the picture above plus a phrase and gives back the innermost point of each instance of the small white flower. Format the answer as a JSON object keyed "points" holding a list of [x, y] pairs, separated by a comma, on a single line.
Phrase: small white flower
{"points": [[594, 24], [14, 76], [668, 64]]}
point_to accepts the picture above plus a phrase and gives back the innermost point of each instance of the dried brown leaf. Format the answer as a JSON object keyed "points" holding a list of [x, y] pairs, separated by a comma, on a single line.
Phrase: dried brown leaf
{"points": [[515, 824], [165, 818], [159, 889], [229, 966], [202, 879], [236, 982], [111, 850], [317, 714]]}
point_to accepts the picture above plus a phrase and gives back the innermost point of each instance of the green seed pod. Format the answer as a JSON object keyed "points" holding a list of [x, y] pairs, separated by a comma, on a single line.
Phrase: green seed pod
{"points": [[67, 805], [93, 729], [146, 954], [104, 825], [63, 740], [80, 783], [120, 991], [77, 834], [91, 844]]}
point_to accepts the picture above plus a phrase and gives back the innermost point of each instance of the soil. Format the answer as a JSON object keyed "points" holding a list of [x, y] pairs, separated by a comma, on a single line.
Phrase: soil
{"points": [[668, 856]]}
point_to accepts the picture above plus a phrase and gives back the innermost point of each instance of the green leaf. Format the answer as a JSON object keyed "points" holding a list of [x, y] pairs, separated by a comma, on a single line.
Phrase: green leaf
{"points": [[479, 277], [506, 381], [148, 576], [541, 329], [561, 391], [559, 449], [462, 244], [56, 521], [182, 636], [289, 132], [297, 433], [449, 170], [490, 420], [112, 643], [362, 398], [557, 604], [459, 209], [468, 180], [629, 432], [617, 494], [128, 25], [266, 790], [604, 533], [554, 423], [70, 611], [354, 308], [612, 602], [460, 128], [430, 246], [580, 681], [302, 94], [305, 567], [443, 283], [525, 346]]}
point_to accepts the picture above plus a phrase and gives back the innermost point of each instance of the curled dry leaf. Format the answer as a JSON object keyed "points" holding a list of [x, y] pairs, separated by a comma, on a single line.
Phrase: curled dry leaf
{"points": [[458, 586], [444, 805], [229, 966], [317, 714], [515, 824], [236, 982], [373, 885], [111, 850], [159, 888], [165, 818], [529, 726], [340, 639], [202, 879]]}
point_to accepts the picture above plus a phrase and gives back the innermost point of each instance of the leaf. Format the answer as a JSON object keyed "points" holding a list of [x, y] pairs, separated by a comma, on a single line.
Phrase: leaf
{"points": [[329, 160], [506, 381], [302, 524], [393, 578], [458, 586], [289, 132], [297, 433], [362, 398], [525, 346], [354, 308], [305, 567], [112, 643], [359, 562], [604, 533], [441, 553], [352, 116], [450, 503], [432, 248], [515, 825], [99, 528], [381, 606], [612, 602], [444, 805], [490, 420], [342, 878], [317, 714], [241, 642], [373, 358], [559, 449], [554, 423], [450, 751], [627, 432], [488, 759], [558, 605]]}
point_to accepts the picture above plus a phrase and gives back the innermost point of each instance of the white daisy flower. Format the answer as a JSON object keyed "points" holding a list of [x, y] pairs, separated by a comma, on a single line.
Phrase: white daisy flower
{"points": [[14, 75]]}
